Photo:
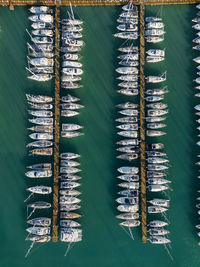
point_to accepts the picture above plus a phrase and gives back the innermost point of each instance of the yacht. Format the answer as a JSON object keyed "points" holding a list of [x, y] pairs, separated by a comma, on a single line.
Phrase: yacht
{"points": [[34, 53], [40, 106], [156, 79], [128, 170], [69, 98], [71, 134], [69, 113], [69, 215], [69, 170], [154, 133], [41, 25], [42, 152], [132, 14], [153, 98], [37, 230], [197, 47], [40, 70], [197, 59], [72, 28], [156, 125], [39, 174], [69, 207], [157, 160], [70, 49], [70, 192], [129, 56], [41, 47], [128, 91], [155, 154], [129, 178], [128, 208], [197, 107], [40, 189], [154, 59], [41, 136], [155, 146], [70, 127], [155, 119], [154, 39], [128, 126], [40, 144], [127, 20], [157, 188], [156, 209], [129, 112], [130, 223], [157, 223], [41, 18], [69, 185], [127, 119], [70, 235], [196, 40], [128, 84], [69, 163], [70, 63], [154, 32], [127, 78], [128, 134], [126, 105], [39, 205], [129, 192], [130, 7], [42, 40], [43, 61], [157, 112], [156, 52], [71, 35], [40, 221], [197, 80], [40, 9], [40, 77], [127, 70], [126, 142], [155, 174], [74, 42], [158, 232], [70, 56], [40, 166], [154, 167], [159, 202], [69, 155], [42, 129], [129, 27], [128, 216], [39, 98], [41, 113], [158, 105], [129, 149], [69, 200], [129, 49], [42, 121], [127, 35], [72, 71], [69, 223], [158, 181], [70, 78], [153, 19], [155, 25], [70, 85], [158, 240], [127, 200], [71, 21], [43, 32]]}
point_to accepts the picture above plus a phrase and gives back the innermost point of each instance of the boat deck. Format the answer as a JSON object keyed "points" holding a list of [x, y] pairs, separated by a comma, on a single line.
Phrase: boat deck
{"points": [[56, 126], [12, 3], [142, 124]]}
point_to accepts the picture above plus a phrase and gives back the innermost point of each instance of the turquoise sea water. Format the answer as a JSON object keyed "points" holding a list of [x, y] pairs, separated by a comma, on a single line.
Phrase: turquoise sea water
{"points": [[104, 243]]}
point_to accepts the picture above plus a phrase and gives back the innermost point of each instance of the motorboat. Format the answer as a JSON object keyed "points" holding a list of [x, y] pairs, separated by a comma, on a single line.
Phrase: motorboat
{"points": [[71, 134], [37, 230], [156, 79], [128, 216], [127, 70], [129, 178], [128, 84], [154, 32], [129, 185], [128, 208], [70, 56], [42, 121], [69, 170], [41, 25], [41, 113], [127, 142], [130, 223], [40, 9], [129, 27], [159, 240], [128, 134], [39, 205], [158, 105], [69, 163], [154, 59], [43, 32], [127, 35], [127, 119], [126, 105], [69, 192], [74, 42], [128, 126], [69, 215], [153, 98], [153, 19], [129, 56], [128, 78], [40, 221], [157, 112], [156, 52], [69, 223], [129, 192], [69, 113], [71, 21], [129, 149], [69, 200], [70, 235], [41, 136], [154, 39], [69, 155], [154, 133], [72, 71], [157, 188], [39, 98], [158, 232], [127, 200], [39, 174], [40, 144], [156, 209], [40, 106], [40, 166], [42, 129], [159, 202], [155, 25], [155, 146], [157, 223], [129, 112], [40, 189], [155, 119], [155, 125], [129, 49], [41, 18], [41, 152], [128, 91], [69, 185], [157, 160], [128, 170]]}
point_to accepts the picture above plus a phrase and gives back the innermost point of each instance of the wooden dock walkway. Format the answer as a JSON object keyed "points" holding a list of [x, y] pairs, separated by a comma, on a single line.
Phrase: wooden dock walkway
{"points": [[142, 124], [13, 3], [56, 125]]}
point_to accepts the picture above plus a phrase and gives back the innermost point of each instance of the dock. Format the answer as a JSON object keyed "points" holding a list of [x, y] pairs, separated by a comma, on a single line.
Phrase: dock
{"points": [[142, 124], [56, 126], [12, 3]]}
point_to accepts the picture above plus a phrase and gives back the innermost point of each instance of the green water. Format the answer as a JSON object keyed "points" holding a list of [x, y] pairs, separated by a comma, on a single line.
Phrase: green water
{"points": [[104, 243]]}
